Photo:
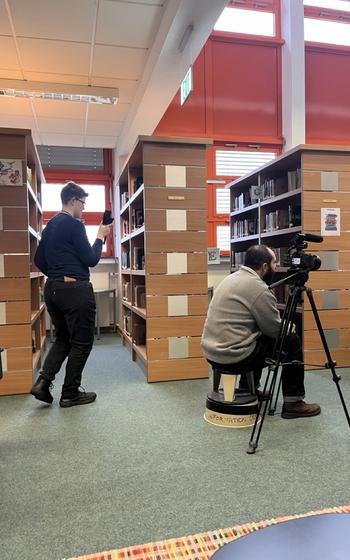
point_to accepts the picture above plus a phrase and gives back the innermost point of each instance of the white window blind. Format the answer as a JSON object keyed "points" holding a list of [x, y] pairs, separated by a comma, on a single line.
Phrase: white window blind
{"points": [[234, 163], [223, 237], [222, 201]]}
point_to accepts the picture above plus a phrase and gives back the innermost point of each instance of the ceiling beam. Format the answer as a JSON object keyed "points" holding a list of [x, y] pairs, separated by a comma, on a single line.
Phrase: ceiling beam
{"points": [[174, 49]]}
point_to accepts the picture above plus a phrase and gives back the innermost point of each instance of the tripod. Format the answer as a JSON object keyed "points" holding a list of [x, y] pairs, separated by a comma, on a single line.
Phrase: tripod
{"points": [[297, 281]]}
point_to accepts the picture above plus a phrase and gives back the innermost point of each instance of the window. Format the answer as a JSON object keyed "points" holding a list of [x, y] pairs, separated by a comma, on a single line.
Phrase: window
{"points": [[223, 237], [253, 22], [234, 163], [331, 32], [327, 21], [222, 201], [342, 5], [92, 169], [95, 205], [225, 164], [91, 232], [95, 202]]}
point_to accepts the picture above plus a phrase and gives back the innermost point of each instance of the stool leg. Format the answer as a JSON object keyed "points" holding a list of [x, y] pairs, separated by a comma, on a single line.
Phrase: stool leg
{"points": [[216, 380], [251, 382], [229, 383]]}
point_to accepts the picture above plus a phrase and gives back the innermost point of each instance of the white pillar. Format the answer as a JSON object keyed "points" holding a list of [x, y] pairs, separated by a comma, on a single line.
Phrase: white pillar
{"points": [[293, 73]]}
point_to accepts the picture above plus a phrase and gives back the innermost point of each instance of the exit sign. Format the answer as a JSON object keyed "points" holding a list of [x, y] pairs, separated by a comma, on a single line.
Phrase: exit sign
{"points": [[186, 86]]}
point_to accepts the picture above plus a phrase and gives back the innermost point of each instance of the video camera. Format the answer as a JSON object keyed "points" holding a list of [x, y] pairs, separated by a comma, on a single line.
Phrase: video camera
{"points": [[297, 259]]}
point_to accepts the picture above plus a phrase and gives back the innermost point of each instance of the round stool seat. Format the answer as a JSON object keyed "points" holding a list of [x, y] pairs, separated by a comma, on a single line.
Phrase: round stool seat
{"points": [[325, 536]]}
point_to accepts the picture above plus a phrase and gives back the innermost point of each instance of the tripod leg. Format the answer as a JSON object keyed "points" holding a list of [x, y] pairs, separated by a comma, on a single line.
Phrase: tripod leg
{"points": [[330, 363], [273, 406], [288, 315], [262, 408]]}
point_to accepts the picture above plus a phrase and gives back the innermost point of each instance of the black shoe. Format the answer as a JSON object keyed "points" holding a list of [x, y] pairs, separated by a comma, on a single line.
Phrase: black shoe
{"points": [[41, 390], [81, 398]]}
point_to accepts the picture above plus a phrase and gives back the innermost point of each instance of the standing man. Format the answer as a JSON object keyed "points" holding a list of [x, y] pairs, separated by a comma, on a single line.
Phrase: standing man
{"points": [[242, 325], [64, 255]]}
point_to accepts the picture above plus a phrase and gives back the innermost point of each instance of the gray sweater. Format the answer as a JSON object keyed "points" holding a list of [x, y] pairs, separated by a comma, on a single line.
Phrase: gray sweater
{"points": [[241, 310]]}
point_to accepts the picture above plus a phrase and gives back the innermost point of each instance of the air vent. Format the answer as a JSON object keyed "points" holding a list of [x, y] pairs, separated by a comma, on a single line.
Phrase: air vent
{"points": [[61, 157]]}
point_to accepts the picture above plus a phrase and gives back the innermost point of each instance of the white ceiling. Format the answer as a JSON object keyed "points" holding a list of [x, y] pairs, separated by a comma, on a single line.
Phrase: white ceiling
{"points": [[86, 42]]}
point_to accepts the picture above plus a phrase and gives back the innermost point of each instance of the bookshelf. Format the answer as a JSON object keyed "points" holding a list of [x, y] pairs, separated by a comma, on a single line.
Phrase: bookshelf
{"points": [[163, 256], [287, 196], [22, 316]]}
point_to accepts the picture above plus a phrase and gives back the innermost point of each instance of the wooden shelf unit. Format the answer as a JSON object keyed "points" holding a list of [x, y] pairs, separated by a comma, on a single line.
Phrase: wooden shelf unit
{"points": [[323, 181], [163, 256], [22, 316]]}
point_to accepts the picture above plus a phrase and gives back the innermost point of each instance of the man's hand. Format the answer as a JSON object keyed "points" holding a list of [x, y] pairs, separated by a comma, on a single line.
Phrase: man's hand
{"points": [[104, 231]]}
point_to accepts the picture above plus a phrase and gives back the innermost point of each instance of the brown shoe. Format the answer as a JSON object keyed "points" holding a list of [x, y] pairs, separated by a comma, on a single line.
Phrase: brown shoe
{"points": [[300, 409]]}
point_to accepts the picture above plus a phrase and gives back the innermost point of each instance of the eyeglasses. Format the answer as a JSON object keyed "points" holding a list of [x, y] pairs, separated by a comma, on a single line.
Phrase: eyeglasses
{"points": [[82, 201]]}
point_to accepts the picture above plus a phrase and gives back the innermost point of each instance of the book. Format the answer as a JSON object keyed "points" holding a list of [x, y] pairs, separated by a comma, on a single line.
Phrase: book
{"points": [[125, 260], [139, 334], [140, 296], [126, 291], [138, 182], [124, 198], [255, 193], [139, 258], [127, 322]]}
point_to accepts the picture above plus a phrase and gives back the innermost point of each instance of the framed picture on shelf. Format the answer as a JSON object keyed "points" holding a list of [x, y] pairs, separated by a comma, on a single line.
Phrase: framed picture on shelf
{"points": [[11, 172]]}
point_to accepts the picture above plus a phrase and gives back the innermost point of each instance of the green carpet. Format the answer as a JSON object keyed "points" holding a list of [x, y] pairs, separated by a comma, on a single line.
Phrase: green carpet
{"points": [[141, 464]]}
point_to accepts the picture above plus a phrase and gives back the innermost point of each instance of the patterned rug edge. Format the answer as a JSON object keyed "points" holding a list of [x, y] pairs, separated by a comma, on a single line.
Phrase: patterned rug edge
{"points": [[196, 547]]}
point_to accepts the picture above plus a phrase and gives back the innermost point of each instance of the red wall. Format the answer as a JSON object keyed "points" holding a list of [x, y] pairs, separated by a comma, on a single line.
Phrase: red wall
{"points": [[236, 93], [244, 90], [188, 120], [327, 87]]}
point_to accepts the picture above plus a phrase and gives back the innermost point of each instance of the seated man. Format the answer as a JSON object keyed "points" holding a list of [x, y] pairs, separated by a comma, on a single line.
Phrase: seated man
{"points": [[241, 327]]}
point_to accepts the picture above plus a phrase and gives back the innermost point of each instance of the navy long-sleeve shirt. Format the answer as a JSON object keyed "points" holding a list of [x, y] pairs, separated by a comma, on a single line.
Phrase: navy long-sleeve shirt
{"points": [[64, 249]]}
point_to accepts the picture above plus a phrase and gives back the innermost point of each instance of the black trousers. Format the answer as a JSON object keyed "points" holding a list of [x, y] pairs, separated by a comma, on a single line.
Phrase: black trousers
{"points": [[292, 375], [72, 309]]}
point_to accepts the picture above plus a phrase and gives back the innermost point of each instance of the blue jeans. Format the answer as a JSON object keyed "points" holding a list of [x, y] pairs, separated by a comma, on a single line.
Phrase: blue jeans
{"points": [[72, 309]]}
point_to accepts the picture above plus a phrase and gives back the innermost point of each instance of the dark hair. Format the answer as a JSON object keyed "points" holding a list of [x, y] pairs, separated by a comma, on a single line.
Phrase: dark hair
{"points": [[72, 190], [257, 255]]}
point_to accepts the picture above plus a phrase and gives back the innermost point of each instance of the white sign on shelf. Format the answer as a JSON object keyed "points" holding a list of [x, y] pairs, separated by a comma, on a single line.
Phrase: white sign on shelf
{"points": [[213, 255], [330, 221]]}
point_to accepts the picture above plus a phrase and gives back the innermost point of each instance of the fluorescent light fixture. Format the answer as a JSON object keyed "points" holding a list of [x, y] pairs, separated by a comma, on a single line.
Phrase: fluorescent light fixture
{"points": [[185, 38], [61, 92]]}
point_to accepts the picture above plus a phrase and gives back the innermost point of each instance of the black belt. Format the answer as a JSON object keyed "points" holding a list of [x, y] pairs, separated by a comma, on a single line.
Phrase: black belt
{"points": [[69, 279]]}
